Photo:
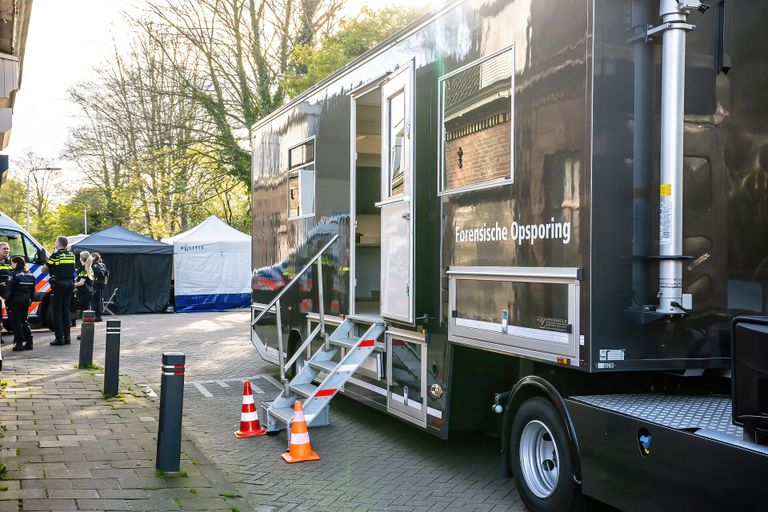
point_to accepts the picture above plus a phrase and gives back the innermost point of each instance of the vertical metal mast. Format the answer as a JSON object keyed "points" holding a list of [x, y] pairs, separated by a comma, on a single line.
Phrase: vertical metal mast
{"points": [[674, 16]]}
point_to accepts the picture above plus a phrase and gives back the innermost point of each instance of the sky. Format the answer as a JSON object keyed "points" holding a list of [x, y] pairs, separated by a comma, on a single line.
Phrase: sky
{"points": [[66, 40]]}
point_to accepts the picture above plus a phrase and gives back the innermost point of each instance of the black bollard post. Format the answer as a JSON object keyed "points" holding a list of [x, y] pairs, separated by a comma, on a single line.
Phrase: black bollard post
{"points": [[171, 401], [112, 358], [86, 340]]}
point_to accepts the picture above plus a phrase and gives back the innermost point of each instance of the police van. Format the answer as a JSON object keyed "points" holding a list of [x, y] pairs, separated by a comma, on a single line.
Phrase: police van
{"points": [[23, 244]]}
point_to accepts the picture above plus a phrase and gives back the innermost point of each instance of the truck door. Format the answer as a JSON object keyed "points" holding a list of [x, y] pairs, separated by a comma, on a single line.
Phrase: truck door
{"points": [[397, 196]]}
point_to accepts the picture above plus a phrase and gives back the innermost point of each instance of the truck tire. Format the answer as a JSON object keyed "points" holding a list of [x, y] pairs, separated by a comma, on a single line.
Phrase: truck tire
{"points": [[541, 458]]}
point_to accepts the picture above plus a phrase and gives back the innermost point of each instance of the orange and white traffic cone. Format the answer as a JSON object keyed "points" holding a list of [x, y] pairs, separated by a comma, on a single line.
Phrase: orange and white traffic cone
{"points": [[249, 419], [300, 450]]}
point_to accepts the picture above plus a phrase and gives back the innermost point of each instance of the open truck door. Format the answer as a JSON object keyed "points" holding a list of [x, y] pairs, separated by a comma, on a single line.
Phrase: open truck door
{"points": [[396, 203]]}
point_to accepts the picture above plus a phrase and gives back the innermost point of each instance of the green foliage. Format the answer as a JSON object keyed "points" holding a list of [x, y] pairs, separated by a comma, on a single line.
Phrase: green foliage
{"points": [[13, 199], [354, 37], [69, 216]]}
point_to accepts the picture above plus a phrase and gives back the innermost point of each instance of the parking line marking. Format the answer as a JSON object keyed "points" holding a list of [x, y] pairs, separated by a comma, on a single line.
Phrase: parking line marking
{"points": [[272, 380], [256, 389], [202, 390], [222, 383]]}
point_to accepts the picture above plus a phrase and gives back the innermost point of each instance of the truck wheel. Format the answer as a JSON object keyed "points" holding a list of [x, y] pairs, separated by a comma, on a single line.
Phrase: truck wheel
{"points": [[541, 458]]}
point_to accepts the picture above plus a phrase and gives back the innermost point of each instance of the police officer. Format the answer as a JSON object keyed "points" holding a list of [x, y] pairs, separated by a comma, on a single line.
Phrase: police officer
{"points": [[19, 293], [5, 273], [61, 267], [100, 277], [84, 280]]}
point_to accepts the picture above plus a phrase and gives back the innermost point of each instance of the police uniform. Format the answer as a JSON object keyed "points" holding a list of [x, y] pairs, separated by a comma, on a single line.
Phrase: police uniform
{"points": [[61, 267], [84, 291], [5, 276], [5, 271], [100, 276], [19, 293]]}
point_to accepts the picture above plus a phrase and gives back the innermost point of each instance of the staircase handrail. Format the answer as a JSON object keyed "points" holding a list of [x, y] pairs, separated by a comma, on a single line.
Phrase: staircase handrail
{"points": [[295, 279]]}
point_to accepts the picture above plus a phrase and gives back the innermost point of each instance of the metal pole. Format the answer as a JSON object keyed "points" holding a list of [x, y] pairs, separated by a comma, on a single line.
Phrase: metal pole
{"points": [[28, 220], [112, 359], [321, 302], [171, 404], [86, 340], [671, 189], [280, 353]]}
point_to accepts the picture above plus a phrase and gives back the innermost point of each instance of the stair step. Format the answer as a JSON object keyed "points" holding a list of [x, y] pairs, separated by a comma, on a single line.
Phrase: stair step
{"points": [[304, 390], [283, 414], [323, 366], [344, 342]]}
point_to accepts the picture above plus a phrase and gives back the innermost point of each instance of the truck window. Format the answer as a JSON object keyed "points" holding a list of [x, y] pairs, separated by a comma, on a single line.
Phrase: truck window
{"points": [[476, 117], [301, 180]]}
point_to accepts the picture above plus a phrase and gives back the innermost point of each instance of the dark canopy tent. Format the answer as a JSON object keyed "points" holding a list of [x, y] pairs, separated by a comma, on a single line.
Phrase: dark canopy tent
{"points": [[139, 267]]}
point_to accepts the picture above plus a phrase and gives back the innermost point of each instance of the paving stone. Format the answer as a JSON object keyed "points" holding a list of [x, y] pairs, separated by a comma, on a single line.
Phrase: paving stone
{"points": [[50, 504], [9, 505], [370, 461], [103, 504]]}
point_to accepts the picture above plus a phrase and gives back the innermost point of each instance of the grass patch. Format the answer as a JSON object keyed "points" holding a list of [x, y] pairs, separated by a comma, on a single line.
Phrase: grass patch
{"points": [[92, 366], [194, 462], [193, 490], [234, 509], [177, 501], [2, 471], [3, 488], [18, 451], [230, 495], [183, 473], [3, 383], [159, 473]]}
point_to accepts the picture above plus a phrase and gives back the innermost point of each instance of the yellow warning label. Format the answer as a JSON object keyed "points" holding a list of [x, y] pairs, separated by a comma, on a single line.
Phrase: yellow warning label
{"points": [[665, 189]]}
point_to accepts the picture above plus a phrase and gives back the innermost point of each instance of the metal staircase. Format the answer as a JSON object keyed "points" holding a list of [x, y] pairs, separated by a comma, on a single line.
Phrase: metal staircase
{"points": [[341, 354], [356, 348]]}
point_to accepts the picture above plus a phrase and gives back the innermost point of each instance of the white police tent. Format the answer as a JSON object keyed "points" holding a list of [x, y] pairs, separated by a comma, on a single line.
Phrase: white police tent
{"points": [[211, 267]]}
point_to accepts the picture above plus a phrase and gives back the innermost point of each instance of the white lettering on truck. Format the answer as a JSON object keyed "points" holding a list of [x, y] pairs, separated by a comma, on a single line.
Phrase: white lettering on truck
{"points": [[517, 232]]}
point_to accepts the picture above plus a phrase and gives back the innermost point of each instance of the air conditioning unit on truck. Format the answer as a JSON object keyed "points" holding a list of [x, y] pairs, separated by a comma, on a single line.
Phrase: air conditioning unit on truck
{"points": [[23, 244], [552, 210]]}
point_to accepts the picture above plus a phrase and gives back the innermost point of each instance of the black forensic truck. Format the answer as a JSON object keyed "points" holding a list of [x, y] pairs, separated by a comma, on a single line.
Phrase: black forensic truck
{"points": [[552, 210]]}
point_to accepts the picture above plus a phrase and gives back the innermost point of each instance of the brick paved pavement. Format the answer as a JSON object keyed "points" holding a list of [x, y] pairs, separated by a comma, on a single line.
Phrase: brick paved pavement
{"points": [[67, 448], [370, 461]]}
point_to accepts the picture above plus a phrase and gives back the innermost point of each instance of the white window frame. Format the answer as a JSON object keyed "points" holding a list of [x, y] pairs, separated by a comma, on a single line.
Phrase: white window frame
{"points": [[296, 171], [527, 342], [441, 191]]}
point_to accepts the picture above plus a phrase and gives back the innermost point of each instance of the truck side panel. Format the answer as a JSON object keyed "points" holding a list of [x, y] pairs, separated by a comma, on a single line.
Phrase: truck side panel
{"points": [[683, 471]]}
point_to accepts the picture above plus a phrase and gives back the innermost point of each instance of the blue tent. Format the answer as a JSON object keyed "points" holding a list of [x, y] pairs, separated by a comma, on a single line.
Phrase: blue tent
{"points": [[139, 267]]}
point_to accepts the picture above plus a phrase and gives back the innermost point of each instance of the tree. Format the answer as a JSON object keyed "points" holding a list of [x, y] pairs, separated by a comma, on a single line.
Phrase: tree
{"points": [[239, 49], [143, 144], [70, 215], [354, 37], [13, 195]]}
